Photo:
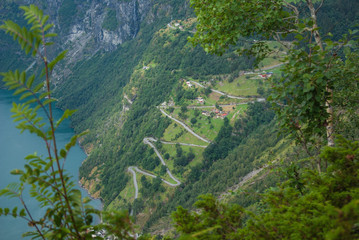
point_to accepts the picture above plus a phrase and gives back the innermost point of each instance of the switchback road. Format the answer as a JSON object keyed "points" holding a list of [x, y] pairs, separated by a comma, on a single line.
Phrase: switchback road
{"points": [[186, 127]]}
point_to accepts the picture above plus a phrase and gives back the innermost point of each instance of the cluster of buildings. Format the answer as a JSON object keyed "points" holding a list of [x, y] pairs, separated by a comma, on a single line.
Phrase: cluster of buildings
{"points": [[215, 113], [170, 103], [179, 26], [266, 75], [189, 84], [200, 100]]}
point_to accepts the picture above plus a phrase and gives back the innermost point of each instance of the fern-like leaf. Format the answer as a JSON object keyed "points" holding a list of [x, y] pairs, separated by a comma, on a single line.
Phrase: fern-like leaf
{"points": [[24, 37], [57, 59]]}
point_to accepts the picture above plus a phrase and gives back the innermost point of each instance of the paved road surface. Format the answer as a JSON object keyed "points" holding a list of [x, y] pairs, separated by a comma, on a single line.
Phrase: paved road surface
{"points": [[173, 143], [186, 127], [270, 67], [184, 144], [222, 93], [147, 141], [133, 170], [134, 181]]}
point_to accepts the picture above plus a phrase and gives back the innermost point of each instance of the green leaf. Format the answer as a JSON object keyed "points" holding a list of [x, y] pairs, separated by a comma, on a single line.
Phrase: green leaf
{"points": [[20, 90], [38, 87], [28, 169], [22, 213], [50, 35], [48, 165], [23, 77], [49, 43], [57, 220], [44, 95], [4, 191], [309, 96], [6, 211], [17, 172], [31, 101], [14, 212], [68, 113], [57, 59], [31, 180], [43, 21], [48, 101], [86, 200], [30, 81], [63, 153], [25, 95]]}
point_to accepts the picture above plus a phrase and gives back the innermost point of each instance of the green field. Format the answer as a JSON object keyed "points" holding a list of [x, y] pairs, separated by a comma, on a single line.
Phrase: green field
{"points": [[237, 112], [127, 194], [276, 56], [243, 86], [181, 172], [207, 128], [247, 85], [171, 150], [184, 135]]}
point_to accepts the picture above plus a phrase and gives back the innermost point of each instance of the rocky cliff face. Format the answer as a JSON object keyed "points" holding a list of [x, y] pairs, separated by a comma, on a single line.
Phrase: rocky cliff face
{"points": [[101, 25], [86, 27]]}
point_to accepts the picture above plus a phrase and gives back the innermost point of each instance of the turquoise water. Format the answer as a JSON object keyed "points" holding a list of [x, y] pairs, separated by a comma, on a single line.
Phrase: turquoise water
{"points": [[13, 148]]}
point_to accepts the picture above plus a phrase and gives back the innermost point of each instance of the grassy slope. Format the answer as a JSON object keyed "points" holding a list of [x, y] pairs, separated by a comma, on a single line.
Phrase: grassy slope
{"points": [[204, 126]]}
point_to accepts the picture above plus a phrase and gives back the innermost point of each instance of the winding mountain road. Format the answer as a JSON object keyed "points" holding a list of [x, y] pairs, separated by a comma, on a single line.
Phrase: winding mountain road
{"points": [[186, 127], [270, 67], [184, 144], [134, 181], [174, 143], [150, 140], [135, 169], [225, 94]]}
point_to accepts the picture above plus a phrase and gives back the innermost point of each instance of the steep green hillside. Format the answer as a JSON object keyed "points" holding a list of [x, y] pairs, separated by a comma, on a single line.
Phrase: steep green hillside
{"points": [[167, 56], [235, 152], [203, 113], [11, 58]]}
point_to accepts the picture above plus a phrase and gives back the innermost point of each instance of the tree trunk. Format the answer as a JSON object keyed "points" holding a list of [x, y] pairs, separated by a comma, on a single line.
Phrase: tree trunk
{"points": [[318, 40]]}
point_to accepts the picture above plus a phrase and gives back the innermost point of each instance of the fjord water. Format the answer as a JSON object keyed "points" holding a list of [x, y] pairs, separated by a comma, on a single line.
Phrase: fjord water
{"points": [[13, 148]]}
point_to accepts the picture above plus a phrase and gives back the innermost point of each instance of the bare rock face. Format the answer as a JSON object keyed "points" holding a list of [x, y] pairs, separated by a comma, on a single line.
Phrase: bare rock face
{"points": [[87, 26], [100, 25]]}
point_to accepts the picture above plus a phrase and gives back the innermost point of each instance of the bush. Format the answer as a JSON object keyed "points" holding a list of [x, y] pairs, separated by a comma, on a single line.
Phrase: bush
{"points": [[193, 121]]}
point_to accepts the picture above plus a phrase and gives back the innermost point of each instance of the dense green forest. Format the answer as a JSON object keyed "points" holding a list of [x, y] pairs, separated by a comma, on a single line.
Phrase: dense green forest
{"points": [[9, 60], [259, 162], [143, 119]]}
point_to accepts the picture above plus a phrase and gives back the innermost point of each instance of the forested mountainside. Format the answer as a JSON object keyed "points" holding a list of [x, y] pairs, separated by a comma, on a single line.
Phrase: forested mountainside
{"points": [[87, 27], [138, 85]]}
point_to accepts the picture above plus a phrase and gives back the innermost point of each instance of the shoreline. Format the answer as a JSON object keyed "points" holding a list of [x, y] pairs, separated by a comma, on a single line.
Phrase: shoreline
{"points": [[91, 196], [80, 185], [79, 180]]}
